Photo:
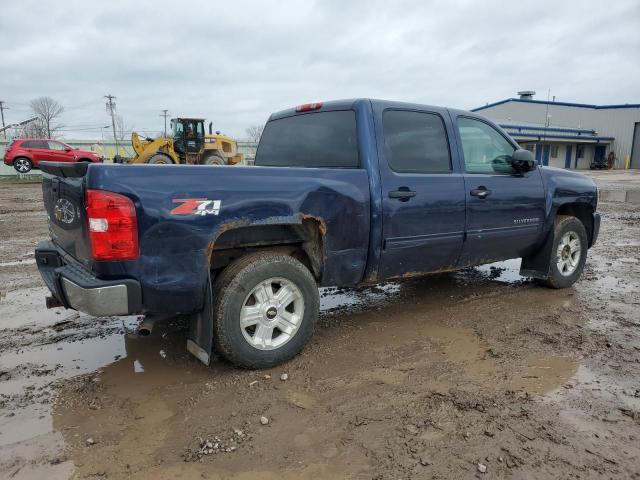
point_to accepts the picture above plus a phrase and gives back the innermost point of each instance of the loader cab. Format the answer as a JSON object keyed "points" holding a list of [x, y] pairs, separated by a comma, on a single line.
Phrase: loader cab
{"points": [[188, 135]]}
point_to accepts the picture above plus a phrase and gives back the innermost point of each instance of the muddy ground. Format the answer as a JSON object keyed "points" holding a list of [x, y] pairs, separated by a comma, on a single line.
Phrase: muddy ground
{"points": [[475, 374]]}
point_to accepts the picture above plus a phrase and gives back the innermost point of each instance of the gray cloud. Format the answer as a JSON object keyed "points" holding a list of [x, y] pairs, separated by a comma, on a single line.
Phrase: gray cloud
{"points": [[236, 62]]}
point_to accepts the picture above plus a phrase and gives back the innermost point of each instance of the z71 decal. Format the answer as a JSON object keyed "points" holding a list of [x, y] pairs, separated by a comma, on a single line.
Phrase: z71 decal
{"points": [[196, 206]]}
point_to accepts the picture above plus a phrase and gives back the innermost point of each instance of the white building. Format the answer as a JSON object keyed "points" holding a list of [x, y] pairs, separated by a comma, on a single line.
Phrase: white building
{"points": [[570, 135]]}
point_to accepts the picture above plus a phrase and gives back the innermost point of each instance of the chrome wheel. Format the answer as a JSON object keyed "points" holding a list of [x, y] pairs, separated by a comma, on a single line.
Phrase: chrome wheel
{"points": [[271, 314], [568, 253], [22, 165]]}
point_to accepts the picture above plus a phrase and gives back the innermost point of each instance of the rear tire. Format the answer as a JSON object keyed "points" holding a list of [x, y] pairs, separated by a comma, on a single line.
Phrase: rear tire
{"points": [[160, 159], [22, 165], [568, 254], [214, 159], [266, 307]]}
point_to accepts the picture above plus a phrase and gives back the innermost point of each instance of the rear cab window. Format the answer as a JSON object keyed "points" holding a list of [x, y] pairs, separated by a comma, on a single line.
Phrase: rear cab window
{"points": [[314, 140], [416, 142]]}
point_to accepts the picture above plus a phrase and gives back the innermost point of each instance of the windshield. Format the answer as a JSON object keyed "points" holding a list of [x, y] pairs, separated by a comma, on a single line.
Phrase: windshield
{"points": [[188, 128]]}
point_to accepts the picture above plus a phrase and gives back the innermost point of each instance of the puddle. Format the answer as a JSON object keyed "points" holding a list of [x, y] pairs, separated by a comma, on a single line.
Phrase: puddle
{"points": [[543, 375], [333, 298], [27, 433], [507, 271], [26, 306]]}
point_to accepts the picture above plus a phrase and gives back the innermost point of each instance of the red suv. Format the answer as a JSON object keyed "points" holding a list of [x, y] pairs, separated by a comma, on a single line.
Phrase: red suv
{"points": [[27, 153]]}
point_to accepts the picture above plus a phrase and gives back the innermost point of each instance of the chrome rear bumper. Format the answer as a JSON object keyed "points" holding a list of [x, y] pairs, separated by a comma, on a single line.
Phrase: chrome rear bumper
{"points": [[76, 287]]}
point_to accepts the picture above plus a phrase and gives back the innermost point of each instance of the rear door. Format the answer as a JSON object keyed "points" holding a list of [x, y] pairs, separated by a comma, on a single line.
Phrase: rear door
{"points": [[505, 210], [422, 193], [40, 151]]}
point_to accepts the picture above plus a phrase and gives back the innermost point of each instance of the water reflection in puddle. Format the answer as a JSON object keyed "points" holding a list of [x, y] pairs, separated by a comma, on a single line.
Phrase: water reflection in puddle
{"points": [[507, 271]]}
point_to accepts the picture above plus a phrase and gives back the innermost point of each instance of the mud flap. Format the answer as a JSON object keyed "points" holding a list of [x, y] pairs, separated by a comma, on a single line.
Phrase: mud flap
{"points": [[538, 264], [200, 341]]}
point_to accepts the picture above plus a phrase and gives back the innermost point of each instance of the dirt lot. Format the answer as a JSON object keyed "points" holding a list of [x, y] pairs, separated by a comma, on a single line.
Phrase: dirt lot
{"points": [[475, 374]]}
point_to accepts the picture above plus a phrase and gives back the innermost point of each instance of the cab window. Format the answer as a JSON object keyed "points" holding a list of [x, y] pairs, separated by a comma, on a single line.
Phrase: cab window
{"points": [[416, 142], [56, 146], [485, 149]]}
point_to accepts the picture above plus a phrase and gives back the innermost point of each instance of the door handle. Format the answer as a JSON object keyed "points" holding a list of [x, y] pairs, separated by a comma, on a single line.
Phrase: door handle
{"points": [[403, 194], [480, 192]]}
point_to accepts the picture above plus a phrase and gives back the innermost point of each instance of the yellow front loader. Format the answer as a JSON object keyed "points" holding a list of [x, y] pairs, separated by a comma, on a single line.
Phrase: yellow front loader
{"points": [[189, 145]]}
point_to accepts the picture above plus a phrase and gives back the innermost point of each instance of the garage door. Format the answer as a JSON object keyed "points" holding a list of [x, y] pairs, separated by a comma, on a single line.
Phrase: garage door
{"points": [[635, 152]]}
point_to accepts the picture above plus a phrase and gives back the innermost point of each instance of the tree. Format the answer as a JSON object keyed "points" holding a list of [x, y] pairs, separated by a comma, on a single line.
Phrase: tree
{"points": [[123, 131], [33, 129], [47, 110], [254, 132]]}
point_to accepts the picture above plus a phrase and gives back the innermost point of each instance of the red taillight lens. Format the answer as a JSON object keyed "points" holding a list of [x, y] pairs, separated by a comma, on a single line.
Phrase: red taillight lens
{"points": [[113, 227], [308, 107]]}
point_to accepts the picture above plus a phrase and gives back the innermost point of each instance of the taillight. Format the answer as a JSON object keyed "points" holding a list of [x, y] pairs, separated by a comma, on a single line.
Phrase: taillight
{"points": [[308, 107], [113, 227]]}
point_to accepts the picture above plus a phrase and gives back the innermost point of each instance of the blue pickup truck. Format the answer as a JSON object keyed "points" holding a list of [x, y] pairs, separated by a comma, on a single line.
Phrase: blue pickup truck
{"points": [[343, 193]]}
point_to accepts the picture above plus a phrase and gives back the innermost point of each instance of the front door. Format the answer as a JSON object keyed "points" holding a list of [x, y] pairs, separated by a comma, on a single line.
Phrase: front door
{"points": [[505, 210], [567, 157], [598, 155], [422, 194], [58, 152]]}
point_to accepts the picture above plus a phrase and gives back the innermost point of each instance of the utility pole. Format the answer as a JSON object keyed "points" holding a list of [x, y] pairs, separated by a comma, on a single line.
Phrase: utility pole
{"points": [[2, 109], [111, 108], [164, 114]]}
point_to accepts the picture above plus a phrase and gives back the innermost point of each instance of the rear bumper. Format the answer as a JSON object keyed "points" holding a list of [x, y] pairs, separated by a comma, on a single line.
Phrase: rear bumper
{"points": [[78, 288], [596, 228]]}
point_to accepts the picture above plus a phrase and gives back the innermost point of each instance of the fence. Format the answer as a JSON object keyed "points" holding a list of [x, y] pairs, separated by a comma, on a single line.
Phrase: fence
{"points": [[108, 149]]}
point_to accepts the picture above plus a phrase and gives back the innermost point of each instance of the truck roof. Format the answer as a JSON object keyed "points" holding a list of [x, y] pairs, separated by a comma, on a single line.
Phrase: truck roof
{"points": [[349, 103]]}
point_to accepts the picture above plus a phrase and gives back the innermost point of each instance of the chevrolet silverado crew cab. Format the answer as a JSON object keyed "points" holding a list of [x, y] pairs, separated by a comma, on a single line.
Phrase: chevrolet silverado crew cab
{"points": [[343, 193]]}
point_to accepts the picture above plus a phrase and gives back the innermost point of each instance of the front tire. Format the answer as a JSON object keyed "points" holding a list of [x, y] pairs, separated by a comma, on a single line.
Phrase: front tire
{"points": [[568, 254], [22, 165], [266, 307]]}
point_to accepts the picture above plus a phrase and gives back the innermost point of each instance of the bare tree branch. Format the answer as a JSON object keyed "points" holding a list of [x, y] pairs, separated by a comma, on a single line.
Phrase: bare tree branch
{"points": [[254, 132], [33, 129], [47, 110], [123, 131]]}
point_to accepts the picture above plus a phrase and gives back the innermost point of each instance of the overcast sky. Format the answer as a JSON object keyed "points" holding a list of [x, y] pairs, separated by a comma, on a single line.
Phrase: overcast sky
{"points": [[235, 62]]}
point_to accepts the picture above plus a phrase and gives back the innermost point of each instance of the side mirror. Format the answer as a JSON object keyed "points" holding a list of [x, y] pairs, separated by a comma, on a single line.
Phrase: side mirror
{"points": [[523, 161], [67, 149]]}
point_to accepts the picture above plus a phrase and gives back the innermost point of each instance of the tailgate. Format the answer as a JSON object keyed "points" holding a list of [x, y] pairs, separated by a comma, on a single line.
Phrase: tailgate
{"points": [[63, 195]]}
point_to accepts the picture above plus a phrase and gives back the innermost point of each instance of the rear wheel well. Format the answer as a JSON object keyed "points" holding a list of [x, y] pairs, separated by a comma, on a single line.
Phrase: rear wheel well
{"points": [[302, 241], [582, 212]]}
